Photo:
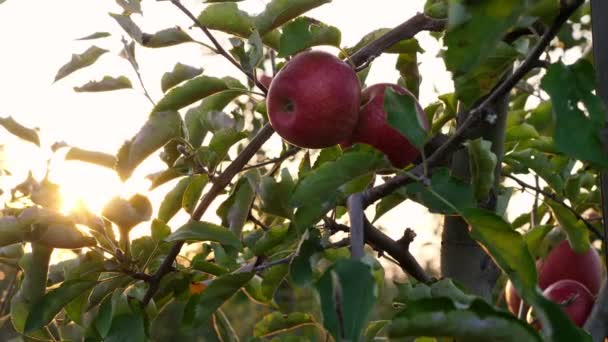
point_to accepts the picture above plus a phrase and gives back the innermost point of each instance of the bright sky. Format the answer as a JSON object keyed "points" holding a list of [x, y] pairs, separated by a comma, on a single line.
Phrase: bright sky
{"points": [[38, 37]]}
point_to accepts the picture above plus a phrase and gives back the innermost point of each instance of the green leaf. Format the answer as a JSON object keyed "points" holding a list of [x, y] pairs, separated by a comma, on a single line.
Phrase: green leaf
{"points": [[33, 286], [107, 83], [12, 231], [443, 317], [403, 46], [475, 29], [181, 72], [64, 235], [128, 26], [130, 6], [272, 279], [278, 12], [45, 309], [387, 203], [348, 293], [300, 267], [521, 132], [480, 80], [80, 61], [327, 179], [160, 128], [407, 65], [193, 191], [205, 231], [577, 232], [482, 163], [18, 130], [235, 210], [227, 17], [274, 196], [373, 329], [539, 163], [571, 87], [167, 37], [172, 202], [402, 114], [95, 35], [270, 239], [304, 33], [443, 188], [220, 144], [251, 57], [97, 158], [159, 230], [436, 8], [200, 307], [189, 92], [278, 322]]}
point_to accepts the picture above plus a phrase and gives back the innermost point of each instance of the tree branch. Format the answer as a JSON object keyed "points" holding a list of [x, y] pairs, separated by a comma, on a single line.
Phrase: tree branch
{"points": [[217, 45], [396, 249], [475, 114], [291, 152], [558, 201], [357, 235], [406, 30]]}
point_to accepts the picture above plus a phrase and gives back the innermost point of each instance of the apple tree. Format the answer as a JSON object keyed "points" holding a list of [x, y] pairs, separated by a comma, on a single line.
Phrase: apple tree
{"points": [[523, 116]]}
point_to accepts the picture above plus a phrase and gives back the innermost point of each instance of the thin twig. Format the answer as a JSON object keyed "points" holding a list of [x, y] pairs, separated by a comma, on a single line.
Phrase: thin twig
{"points": [[258, 222], [475, 114], [217, 45], [135, 66], [292, 151], [557, 200]]}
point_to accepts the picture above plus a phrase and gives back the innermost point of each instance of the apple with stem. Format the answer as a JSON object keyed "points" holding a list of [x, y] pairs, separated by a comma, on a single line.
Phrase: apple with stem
{"points": [[313, 101], [373, 128], [574, 298]]}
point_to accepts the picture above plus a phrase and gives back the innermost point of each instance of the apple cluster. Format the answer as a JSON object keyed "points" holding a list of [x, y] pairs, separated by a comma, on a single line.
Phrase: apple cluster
{"points": [[316, 101], [568, 278]]}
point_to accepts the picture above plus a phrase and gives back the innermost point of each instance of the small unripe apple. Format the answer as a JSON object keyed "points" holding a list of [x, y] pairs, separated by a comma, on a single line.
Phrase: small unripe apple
{"points": [[574, 298], [564, 263], [373, 128], [313, 101]]}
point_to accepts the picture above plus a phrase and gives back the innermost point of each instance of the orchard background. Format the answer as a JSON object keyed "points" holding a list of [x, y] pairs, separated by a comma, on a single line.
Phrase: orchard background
{"points": [[160, 204]]}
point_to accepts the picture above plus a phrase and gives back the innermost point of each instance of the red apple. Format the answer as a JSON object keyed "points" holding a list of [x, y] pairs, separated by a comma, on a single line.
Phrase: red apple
{"points": [[373, 128], [564, 263], [574, 297], [313, 101]]}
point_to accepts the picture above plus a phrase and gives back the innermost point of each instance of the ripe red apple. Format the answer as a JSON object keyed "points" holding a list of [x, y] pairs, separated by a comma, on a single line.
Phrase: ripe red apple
{"points": [[574, 297], [564, 263], [313, 101], [373, 128]]}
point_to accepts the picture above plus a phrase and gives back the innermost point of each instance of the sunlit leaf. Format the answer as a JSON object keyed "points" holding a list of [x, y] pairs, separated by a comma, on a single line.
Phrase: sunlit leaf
{"points": [[45, 310], [482, 163], [205, 231], [348, 293], [577, 232], [167, 37], [181, 72], [12, 231], [15, 128], [193, 192], [278, 322], [303, 33], [172, 202], [97, 158], [278, 12], [64, 236], [128, 26], [130, 6], [95, 35], [80, 61], [189, 92], [107, 83], [160, 128]]}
